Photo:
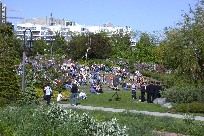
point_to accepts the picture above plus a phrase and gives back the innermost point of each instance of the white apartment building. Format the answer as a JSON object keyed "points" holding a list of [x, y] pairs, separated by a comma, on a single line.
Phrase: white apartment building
{"points": [[47, 28]]}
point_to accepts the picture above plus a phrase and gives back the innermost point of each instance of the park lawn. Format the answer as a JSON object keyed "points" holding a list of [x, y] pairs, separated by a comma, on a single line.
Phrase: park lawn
{"points": [[125, 101]]}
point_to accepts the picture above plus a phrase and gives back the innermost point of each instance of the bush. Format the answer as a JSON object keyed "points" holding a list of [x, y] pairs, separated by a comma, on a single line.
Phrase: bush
{"points": [[39, 92], [184, 94], [194, 107], [3, 101]]}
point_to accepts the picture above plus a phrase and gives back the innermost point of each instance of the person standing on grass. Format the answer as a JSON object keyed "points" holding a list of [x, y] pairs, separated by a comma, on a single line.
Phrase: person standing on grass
{"points": [[150, 92], [116, 81], [158, 88], [48, 92], [143, 89], [74, 91], [134, 88]]}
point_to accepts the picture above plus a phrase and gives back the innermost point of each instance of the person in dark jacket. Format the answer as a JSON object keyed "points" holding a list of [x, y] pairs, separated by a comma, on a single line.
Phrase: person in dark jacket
{"points": [[74, 91], [150, 90], [157, 90], [143, 89], [116, 81]]}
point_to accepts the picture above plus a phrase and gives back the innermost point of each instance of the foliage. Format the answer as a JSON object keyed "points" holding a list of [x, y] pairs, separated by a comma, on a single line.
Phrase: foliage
{"points": [[145, 125], [40, 47], [66, 93], [9, 88], [167, 80], [59, 45], [184, 94], [54, 120], [182, 49], [96, 46], [143, 51], [100, 46], [193, 107], [188, 119], [39, 92], [77, 46], [121, 46], [29, 97]]}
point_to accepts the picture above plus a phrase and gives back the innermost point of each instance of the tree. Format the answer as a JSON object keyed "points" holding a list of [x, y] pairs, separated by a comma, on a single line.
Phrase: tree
{"points": [[184, 46], [40, 47], [59, 45], [97, 46], [77, 46], [144, 50], [100, 46], [30, 96], [121, 46], [9, 88]]}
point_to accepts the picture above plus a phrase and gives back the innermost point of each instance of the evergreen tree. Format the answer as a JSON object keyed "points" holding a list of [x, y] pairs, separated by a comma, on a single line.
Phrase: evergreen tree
{"points": [[30, 96], [9, 88]]}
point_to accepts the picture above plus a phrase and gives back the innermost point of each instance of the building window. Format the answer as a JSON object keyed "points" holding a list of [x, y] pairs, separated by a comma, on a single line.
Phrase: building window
{"points": [[68, 23]]}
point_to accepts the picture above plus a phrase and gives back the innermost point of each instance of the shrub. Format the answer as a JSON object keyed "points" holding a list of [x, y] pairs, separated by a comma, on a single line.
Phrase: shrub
{"points": [[181, 108], [194, 107], [3, 101], [66, 94], [39, 92], [184, 94]]}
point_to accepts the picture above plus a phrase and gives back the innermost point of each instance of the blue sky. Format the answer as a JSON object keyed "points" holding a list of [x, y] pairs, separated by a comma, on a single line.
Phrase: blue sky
{"points": [[142, 15]]}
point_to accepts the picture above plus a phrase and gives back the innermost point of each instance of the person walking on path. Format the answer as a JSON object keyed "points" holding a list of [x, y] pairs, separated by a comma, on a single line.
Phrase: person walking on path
{"points": [[74, 91]]}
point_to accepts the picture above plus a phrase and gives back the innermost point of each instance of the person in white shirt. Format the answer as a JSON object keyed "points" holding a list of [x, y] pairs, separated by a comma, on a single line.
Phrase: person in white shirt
{"points": [[134, 88], [59, 96], [48, 93], [82, 95]]}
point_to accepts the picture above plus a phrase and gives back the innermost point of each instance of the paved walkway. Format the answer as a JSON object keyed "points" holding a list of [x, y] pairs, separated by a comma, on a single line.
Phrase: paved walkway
{"points": [[133, 111]]}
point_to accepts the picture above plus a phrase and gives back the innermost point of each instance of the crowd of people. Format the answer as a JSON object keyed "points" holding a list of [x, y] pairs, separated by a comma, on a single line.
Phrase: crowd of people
{"points": [[71, 75]]}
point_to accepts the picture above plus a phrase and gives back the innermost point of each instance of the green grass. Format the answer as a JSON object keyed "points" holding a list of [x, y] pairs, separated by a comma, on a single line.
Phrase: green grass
{"points": [[140, 124], [125, 101]]}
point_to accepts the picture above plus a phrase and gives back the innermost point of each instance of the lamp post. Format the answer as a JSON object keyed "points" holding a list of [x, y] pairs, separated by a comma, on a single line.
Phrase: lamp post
{"points": [[24, 55], [87, 52], [51, 41]]}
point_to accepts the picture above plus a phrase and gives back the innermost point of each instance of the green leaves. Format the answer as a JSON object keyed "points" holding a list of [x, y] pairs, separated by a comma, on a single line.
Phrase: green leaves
{"points": [[183, 48], [30, 96], [95, 46], [9, 57]]}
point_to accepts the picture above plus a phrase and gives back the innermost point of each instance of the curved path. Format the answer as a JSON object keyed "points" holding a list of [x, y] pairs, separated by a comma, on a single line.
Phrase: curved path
{"points": [[199, 118]]}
